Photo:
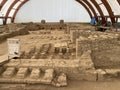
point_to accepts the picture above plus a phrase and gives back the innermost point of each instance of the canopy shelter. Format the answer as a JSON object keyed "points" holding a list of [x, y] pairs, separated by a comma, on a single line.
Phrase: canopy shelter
{"points": [[9, 9], [100, 9]]}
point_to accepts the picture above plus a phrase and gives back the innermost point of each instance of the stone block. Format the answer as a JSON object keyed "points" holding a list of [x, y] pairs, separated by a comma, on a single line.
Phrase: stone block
{"points": [[86, 65], [112, 72], [60, 80], [100, 74], [35, 73], [48, 76], [61, 21], [89, 75], [9, 72], [22, 73]]}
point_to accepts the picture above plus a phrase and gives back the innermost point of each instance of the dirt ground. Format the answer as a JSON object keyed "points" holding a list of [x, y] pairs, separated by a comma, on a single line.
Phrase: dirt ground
{"points": [[74, 85], [107, 59]]}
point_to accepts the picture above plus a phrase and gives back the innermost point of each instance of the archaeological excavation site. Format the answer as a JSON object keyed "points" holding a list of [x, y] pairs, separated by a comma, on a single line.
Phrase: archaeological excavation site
{"points": [[43, 52]]}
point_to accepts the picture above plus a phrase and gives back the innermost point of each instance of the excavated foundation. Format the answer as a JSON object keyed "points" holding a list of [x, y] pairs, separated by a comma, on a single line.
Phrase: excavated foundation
{"points": [[57, 55]]}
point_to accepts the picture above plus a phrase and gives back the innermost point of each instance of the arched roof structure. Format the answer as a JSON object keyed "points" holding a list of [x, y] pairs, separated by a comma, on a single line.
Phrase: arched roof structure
{"points": [[109, 5], [11, 11], [100, 9]]}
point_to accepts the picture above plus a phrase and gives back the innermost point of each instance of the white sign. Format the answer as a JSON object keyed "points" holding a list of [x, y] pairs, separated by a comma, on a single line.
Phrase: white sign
{"points": [[13, 47]]}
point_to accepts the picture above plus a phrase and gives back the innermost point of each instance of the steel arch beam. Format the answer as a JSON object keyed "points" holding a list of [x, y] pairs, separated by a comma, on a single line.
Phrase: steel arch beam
{"points": [[2, 4], [99, 10], [87, 9], [118, 1], [111, 14], [9, 9], [93, 10], [17, 9]]}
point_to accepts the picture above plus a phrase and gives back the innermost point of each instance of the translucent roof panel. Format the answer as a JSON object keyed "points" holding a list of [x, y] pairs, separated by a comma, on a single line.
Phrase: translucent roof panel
{"points": [[54, 10], [6, 6], [17, 4], [102, 7], [0, 1], [119, 20], [14, 8], [94, 7], [11, 12], [115, 6], [88, 8]]}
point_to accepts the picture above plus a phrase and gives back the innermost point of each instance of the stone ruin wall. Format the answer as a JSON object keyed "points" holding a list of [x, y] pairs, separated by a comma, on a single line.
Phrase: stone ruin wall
{"points": [[96, 43], [47, 26], [86, 41], [70, 67], [12, 30]]}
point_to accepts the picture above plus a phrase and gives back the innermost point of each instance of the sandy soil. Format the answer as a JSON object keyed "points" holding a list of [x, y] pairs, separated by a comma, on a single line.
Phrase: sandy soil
{"points": [[107, 59], [3, 48], [74, 85]]}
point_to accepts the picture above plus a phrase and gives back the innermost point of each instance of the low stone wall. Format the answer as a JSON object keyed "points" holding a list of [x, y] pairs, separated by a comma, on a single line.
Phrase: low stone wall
{"points": [[13, 33], [47, 26], [70, 67], [78, 69], [96, 42], [108, 74], [76, 34], [82, 33], [74, 69], [73, 27]]}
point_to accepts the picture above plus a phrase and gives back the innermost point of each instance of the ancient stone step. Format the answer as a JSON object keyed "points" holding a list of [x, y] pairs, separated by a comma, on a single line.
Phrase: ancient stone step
{"points": [[48, 76], [35, 73], [9, 72], [22, 73]]}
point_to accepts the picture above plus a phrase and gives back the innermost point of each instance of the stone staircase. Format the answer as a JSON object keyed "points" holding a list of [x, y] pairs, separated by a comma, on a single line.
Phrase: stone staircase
{"points": [[24, 75]]}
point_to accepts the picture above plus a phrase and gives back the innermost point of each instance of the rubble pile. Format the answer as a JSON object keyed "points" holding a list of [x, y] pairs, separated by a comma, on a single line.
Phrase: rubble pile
{"points": [[60, 80]]}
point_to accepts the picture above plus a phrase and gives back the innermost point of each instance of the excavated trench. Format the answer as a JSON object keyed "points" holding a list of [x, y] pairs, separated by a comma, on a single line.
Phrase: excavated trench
{"points": [[43, 50]]}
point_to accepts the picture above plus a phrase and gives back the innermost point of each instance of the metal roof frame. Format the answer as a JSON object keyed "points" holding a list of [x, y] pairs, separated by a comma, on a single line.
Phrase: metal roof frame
{"points": [[85, 3]]}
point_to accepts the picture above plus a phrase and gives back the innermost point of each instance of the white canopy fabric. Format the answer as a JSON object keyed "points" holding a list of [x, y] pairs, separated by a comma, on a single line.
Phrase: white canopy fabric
{"points": [[54, 10]]}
